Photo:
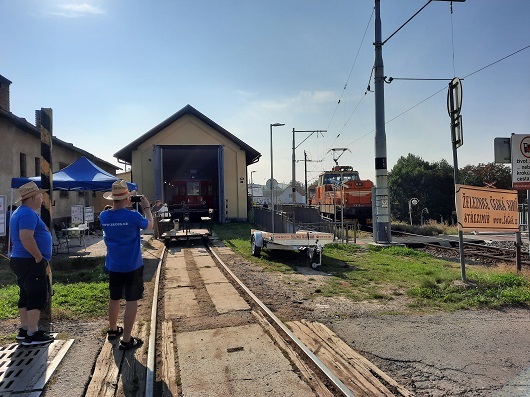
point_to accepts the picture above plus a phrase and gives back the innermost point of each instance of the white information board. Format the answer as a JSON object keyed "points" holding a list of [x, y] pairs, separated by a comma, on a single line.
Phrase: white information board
{"points": [[77, 214], [521, 162], [89, 214], [3, 226]]}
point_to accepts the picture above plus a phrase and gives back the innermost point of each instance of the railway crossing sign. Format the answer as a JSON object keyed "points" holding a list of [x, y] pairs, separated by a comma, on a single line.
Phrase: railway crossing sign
{"points": [[520, 148], [454, 98], [271, 183], [454, 106]]}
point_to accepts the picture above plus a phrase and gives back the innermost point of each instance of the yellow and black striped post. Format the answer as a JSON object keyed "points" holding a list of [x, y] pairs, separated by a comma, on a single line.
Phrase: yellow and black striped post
{"points": [[43, 121]]}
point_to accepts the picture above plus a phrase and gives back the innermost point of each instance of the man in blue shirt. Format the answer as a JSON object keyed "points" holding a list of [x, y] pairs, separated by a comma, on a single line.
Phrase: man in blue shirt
{"points": [[32, 249], [121, 229]]}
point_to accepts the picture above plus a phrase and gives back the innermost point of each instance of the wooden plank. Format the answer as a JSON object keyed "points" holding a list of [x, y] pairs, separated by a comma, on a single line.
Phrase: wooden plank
{"points": [[307, 374], [168, 371], [133, 371], [355, 371], [348, 353], [105, 377]]}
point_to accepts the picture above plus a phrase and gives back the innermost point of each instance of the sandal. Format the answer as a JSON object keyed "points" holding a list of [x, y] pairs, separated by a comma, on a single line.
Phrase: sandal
{"points": [[132, 344], [113, 334]]}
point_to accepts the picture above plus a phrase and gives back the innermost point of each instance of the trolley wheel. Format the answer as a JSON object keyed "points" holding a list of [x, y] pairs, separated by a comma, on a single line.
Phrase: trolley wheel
{"points": [[255, 250]]}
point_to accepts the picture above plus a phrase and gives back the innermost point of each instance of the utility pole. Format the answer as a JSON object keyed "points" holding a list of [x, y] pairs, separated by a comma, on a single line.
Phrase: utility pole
{"points": [[380, 201], [381, 216], [293, 181], [305, 172], [305, 177]]}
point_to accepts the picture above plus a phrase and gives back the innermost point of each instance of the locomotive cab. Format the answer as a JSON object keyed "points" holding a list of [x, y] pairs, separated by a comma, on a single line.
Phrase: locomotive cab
{"points": [[342, 189]]}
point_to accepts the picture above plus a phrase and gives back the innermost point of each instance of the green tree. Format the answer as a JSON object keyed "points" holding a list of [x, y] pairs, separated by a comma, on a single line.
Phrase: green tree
{"points": [[431, 183], [489, 175]]}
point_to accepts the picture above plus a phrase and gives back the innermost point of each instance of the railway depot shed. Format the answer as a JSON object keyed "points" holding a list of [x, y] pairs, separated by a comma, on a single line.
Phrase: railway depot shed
{"points": [[191, 163]]}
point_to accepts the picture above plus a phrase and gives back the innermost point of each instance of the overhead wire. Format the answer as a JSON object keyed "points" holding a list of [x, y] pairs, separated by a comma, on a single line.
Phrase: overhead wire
{"points": [[502, 59], [417, 104], [437, 92], [453, 39], [351, 69]]}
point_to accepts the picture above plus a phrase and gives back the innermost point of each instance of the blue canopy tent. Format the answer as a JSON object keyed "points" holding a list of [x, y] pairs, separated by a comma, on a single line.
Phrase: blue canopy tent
{"points": [[82, 174]]}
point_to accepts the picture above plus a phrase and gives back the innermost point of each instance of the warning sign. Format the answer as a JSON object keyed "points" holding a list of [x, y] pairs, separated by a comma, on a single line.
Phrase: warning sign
{"points": [[520, 161], [481, 208]]}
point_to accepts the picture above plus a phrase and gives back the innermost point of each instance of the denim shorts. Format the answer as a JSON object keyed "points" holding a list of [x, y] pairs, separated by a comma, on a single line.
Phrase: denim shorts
{"points": [[32, 282], [128, 285]]}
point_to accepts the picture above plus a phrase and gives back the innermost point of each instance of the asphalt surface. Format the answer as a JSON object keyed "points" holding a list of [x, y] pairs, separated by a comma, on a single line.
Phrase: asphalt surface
{"points": [[95, 246]]}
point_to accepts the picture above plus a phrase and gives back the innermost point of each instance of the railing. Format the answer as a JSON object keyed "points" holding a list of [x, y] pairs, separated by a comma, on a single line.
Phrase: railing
{"points": [[523, 217], [305, 218]]}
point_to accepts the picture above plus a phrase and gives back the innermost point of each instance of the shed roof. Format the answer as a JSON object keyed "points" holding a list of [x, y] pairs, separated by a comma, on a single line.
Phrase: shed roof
{"points": [[125, 154]]}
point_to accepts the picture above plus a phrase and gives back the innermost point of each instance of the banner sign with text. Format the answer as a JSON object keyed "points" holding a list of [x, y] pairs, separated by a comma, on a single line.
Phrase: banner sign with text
{"points": [[520, 161], [481, 208]]}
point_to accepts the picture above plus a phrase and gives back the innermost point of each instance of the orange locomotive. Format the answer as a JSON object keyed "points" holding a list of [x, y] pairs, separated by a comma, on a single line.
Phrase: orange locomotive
{"points": [[343, 185]]}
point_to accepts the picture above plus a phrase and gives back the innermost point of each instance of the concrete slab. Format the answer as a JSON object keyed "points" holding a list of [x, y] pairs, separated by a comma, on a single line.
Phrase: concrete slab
{"points": [[204, 261], [175, 252], [212, 275], [175, 270], [174, 306], [178, 277], [237, 362], [225, 298]]}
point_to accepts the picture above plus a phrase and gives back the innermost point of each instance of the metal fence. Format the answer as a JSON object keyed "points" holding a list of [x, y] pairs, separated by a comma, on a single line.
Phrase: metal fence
{"points": [[523, 217], [291, 218]]}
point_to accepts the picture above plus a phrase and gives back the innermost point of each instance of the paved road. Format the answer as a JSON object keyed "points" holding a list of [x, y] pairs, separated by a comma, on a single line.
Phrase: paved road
{"points": [[95, 246]]}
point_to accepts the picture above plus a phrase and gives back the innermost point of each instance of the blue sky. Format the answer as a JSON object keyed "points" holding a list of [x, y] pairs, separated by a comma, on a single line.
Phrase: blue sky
{"points": [[113, 69]]}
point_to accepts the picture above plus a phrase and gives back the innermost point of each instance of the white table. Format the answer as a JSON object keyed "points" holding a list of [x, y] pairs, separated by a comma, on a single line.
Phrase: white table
{"points": [[77, 232]]}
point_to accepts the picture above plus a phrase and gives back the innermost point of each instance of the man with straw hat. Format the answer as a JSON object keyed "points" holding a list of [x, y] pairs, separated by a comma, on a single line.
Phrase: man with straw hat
{"points": [[32, 249], [121, 229]]}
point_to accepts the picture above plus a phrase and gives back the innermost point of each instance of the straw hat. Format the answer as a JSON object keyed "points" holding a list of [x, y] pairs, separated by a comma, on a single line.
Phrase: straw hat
{"points": [[28, 190], [120, 191]]}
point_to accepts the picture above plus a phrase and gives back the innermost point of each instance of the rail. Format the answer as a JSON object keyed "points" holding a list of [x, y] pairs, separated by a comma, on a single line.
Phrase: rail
{"points": [[309, 354], [336, 383]]}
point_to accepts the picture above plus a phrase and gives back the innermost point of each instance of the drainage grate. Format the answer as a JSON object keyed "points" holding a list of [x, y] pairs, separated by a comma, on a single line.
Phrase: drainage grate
{"points": [[25, 370]]}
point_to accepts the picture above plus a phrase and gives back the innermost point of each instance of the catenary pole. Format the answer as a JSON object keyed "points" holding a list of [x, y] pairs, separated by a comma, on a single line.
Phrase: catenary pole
{"points": [[381, 216]]}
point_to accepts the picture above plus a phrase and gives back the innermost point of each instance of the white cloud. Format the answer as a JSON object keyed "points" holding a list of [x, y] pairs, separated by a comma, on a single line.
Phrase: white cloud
{"points": [[76, 10]]}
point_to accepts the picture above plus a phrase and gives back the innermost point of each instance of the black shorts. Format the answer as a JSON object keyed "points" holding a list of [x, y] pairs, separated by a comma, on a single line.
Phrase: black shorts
{"points": [[129, 285], [32, 282]]}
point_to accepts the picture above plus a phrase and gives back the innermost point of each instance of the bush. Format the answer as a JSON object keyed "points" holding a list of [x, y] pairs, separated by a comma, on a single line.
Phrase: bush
{"points": [[430, 229]]}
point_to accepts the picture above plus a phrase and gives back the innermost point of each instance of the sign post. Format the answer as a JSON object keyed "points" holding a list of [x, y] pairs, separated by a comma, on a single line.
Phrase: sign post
{"points": [[454, 106]]}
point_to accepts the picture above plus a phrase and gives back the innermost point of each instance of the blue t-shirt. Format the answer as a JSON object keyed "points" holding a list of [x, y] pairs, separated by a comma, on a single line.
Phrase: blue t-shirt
{"points": [[24, 218], [121, 230]]}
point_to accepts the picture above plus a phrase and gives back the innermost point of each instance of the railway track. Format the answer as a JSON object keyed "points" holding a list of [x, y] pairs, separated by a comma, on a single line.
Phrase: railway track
{"points": [[211, 336], [472, 251], [484, 253]]}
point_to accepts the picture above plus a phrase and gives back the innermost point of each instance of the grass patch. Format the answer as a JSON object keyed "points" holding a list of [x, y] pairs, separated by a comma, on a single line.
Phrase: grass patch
{"points": [[385, 273], [79, 284], [237, 237]]}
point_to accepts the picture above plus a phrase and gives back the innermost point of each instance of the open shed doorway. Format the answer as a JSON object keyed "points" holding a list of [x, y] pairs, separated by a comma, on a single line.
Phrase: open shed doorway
{"points": [[190, 180]]}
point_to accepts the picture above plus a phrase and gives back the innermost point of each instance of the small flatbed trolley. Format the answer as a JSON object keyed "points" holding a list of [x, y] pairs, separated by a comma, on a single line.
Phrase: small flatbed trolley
{"points": [[185, 232], [305, 241]]}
